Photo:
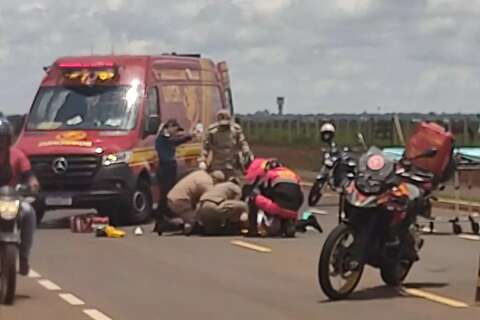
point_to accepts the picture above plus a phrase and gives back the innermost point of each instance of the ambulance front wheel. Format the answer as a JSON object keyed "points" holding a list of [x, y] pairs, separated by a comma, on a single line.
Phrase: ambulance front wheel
{"points": [[140, 206]]}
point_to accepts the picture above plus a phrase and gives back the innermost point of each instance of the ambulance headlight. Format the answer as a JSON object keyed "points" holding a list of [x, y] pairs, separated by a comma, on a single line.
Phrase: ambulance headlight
{"points": [[9, 209], [117, 158]]}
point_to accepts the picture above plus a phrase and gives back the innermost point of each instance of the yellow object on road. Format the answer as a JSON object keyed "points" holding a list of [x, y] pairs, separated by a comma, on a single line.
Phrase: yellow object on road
{"points": [[110, 232]]}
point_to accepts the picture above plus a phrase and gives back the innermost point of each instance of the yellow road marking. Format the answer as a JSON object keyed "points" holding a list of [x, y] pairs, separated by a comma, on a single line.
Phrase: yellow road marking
{"points": [[435, 298], [469, 237], [251, 246]]}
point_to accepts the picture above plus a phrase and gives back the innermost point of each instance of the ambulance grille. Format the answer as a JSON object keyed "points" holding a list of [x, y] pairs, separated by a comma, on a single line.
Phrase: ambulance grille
{"points": [[77, 176]]}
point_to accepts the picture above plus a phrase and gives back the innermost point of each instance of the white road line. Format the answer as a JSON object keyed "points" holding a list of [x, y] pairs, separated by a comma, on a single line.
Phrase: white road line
{"points": [[49, 285], [428, 230], [469, 237], [33, 274], [96, 315], [320, 212], [71, 299]]}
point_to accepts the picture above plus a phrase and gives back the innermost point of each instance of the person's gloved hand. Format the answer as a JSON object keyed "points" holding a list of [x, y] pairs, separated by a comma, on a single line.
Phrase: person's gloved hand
{"points": [[202, 165]]}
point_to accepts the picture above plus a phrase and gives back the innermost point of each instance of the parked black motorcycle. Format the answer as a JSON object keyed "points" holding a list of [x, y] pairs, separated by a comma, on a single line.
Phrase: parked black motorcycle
{"points": [[377, 227], [337, 165]]}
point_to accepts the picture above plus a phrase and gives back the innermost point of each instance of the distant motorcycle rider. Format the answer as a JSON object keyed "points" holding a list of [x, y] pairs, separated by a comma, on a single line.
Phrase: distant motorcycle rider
{"points": [[327, 133], [224, 143], [14, 168]]}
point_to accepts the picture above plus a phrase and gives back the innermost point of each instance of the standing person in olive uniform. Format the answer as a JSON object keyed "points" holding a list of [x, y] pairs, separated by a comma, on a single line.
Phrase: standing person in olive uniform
{"points": [[170, 136], [225, 143]]}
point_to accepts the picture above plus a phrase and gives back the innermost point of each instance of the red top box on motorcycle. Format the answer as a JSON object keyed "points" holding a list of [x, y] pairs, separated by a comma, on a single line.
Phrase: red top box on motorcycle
{"points": [[429, 135]]}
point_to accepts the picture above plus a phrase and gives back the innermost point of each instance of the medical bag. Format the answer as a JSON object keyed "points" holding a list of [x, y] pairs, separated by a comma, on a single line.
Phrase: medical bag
{"points": [[430, 135]]}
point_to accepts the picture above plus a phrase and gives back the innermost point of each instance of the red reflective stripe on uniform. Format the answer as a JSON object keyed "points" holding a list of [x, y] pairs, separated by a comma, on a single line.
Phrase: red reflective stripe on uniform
{"points": [[272, 208], [281, 174], [255, 170]]}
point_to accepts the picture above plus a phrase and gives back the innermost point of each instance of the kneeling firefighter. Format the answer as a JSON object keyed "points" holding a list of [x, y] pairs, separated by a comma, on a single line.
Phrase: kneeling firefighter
{"points": [[275, 190], [221, 210]]}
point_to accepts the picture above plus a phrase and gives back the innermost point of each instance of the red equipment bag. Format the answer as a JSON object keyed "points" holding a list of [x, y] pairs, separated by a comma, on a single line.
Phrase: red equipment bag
{"points": [[87, 223], [431, 135]]}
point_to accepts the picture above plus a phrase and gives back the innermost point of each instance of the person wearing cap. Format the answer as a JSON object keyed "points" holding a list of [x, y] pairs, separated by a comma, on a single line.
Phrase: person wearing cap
{"points": [[170, 136], [185, 196], [221, 209], [225, 146]]}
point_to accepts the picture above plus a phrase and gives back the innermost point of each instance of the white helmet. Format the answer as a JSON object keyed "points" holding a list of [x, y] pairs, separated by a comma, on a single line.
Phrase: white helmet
{"points": [[327, 132], [327, 127]]}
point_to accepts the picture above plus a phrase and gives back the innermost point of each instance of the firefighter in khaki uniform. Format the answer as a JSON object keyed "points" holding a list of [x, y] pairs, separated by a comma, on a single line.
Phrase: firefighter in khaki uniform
{"points": [[221, 209], [184, 196], [224, 142]]}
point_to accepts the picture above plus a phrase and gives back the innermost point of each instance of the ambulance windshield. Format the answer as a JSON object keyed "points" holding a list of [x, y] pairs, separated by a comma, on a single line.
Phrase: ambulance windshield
{"points": [[85, 108]]}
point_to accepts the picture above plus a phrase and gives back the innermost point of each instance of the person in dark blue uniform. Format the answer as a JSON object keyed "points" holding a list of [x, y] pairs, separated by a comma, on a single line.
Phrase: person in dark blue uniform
{"points": [[170, 136]]}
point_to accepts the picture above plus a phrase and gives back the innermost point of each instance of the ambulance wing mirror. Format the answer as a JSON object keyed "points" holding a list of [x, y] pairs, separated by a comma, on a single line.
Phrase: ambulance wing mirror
{"points": [[152, 124]]}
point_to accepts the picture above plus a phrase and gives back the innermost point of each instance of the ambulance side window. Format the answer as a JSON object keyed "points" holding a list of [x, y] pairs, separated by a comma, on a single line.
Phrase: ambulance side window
{"points": [[151, 111], [152, 103]]}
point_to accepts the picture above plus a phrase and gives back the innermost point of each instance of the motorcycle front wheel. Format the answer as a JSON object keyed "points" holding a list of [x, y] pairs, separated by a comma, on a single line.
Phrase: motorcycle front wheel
{"points": [[336, 274], [315, 193], [394, 273], [8, 272]]}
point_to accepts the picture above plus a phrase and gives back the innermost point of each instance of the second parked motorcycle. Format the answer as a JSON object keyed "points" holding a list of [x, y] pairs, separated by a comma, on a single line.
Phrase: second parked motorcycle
{"points": [[337, 164]]}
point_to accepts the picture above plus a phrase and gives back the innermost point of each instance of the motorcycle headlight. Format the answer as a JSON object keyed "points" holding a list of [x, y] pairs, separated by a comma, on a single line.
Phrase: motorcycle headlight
{"points": [[116, 158], [9, 209]]}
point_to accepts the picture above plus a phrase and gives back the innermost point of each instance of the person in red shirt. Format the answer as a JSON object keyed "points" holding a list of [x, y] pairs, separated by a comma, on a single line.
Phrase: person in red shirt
{"points": [[15, 168], [22, 170]]}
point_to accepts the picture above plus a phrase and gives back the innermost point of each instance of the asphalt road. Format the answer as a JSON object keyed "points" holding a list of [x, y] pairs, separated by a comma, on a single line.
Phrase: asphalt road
{"points": [[175, 277]]}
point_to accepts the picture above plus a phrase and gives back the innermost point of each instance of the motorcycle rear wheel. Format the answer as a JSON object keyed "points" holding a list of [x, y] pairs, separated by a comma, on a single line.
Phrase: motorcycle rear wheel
{"points": [[315, 193], [334, 249], [8, 272]]}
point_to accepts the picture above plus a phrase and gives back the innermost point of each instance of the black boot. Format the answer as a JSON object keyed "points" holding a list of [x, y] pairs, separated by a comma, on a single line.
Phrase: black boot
{"points": [[252, 218], [313, 222], [170, 225]]}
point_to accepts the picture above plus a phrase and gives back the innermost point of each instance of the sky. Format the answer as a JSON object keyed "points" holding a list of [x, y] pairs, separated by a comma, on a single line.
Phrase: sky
{"points": [[324, 56]]}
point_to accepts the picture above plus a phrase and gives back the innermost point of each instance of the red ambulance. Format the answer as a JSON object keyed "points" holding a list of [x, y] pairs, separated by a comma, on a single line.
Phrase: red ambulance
{"points": [[91, 130]]}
